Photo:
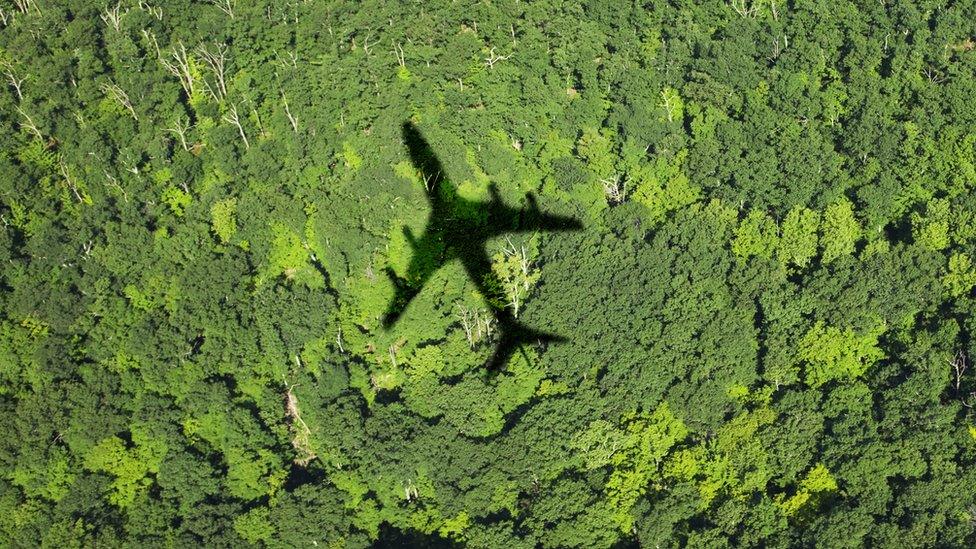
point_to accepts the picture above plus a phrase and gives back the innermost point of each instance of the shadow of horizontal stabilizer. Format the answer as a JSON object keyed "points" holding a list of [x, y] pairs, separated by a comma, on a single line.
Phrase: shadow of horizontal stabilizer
{"points": [[513, 338]]}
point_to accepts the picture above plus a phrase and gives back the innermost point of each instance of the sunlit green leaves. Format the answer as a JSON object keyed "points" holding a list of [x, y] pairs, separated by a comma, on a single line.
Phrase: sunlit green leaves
{"points": [[798, 245], [757, 235], [834, 354], [223, 219], [129, 465], [840, 231]]}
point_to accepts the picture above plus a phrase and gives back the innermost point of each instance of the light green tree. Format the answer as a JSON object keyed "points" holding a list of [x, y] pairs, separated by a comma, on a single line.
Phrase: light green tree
{"points": [[517, 273], [635, 450], [841, 231], [223, 219], [129, 466], [757, 235], [931, 230], [798, 244], [834, 354], [961, 276]]}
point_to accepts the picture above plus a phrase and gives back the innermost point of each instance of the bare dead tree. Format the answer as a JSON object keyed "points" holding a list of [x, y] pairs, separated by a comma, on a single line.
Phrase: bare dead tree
{"points": [[339, 341], [180, 126], [367, 45], [226, 6], [216, 60], [154, 11], [26, 5], [150, 37], [745, 8], [233, 118], [934, 75], [180, 67], [524, 262], [5, 17], [959, 366], [494, 58], [429, 180], [410, 491], [113, 16], [63, 168], [112, 181], [779, 44], [478, 324], [291, 119], [16, 83], [291, 62], [28, 124], [669, 102], [516, 296], [469, 323], [615, 189], [120, 97], [400, 57], [486, 325]]}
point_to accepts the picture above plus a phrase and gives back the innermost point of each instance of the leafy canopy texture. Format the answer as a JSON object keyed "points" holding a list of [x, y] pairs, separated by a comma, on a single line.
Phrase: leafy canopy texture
{"points": [[209, 217]]}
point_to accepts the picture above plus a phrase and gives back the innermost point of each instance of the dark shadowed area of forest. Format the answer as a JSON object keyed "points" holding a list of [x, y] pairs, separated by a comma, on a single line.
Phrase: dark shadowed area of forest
{"points": [[208, 211]]}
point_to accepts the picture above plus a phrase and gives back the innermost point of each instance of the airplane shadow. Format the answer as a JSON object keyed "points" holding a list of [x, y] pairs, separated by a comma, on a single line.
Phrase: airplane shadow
{"points": [[458, 228]]}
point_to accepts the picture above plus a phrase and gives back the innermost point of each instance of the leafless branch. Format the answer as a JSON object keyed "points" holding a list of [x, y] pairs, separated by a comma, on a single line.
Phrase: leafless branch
{"points": [[400, 57], [180, 126], [68, 179], [216, 60], [8, 71], [494, 58], [232, 118], [29, 124], [180, 67], [120, 96], [292, 60], [367, 45], [114, 182], [226, 6], [25, 6], [615, 189], [150, 37], [154, 11], [113, 16], [291, 119], [745, 8]]}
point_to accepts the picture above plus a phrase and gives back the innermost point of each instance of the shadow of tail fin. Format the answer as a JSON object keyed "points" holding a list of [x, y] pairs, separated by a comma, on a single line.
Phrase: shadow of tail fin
{"points": [[532, 217], [513, 337]]}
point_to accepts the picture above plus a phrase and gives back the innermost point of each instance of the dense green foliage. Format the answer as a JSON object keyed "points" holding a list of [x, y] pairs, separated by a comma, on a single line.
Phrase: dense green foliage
{"points": [[769, 310]]}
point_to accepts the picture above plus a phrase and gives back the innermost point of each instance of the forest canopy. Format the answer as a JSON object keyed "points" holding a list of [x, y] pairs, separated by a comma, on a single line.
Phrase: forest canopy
{"points": [[208, 208]]}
